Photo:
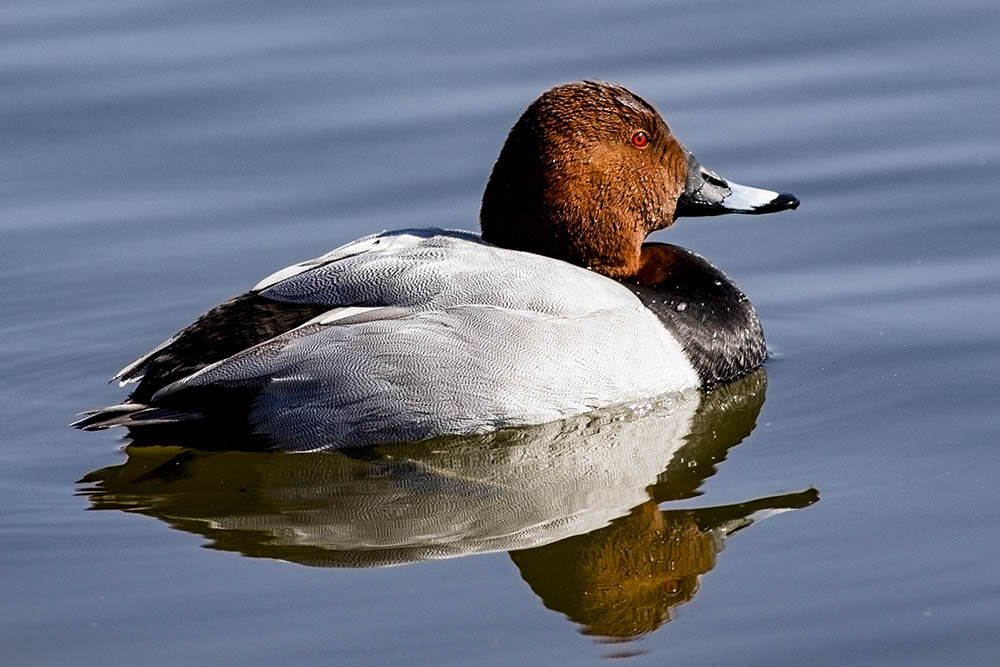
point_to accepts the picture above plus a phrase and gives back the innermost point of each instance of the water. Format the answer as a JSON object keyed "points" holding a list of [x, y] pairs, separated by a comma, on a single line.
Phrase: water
{"points": [[158, 159]]}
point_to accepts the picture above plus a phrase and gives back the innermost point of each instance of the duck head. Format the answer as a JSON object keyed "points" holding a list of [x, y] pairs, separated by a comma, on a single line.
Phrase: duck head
{"points": [[590, 169]]}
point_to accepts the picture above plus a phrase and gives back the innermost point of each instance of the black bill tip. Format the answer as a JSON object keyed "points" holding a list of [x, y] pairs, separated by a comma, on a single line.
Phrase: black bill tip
{"points": [[783, 202]]}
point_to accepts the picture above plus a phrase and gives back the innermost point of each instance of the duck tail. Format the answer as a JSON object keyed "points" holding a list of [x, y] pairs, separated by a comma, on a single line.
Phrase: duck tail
{"points": [[130, 414]]}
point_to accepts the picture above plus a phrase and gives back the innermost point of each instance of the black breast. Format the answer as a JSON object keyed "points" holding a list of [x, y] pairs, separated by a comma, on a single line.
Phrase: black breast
{"points": [[711, 318]]}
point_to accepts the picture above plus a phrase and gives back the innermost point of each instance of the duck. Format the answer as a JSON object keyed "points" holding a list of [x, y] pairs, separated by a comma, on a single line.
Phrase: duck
{"points": [[558, 307]]}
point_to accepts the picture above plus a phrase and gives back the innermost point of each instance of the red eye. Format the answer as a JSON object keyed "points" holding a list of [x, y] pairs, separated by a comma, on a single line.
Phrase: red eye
{"points": [[640, 139]]}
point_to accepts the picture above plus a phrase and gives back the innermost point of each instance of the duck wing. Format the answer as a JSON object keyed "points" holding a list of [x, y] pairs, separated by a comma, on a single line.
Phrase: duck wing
{"points": [[278, 303], [233, 325], [418, 269]]}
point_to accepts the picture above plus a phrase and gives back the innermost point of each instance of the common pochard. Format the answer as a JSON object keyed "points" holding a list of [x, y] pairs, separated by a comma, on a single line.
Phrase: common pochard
{"points": [[557, 308]]}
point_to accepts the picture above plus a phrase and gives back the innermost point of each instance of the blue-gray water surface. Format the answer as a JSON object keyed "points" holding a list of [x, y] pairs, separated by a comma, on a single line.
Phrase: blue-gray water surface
{"points": [[157, 158]]}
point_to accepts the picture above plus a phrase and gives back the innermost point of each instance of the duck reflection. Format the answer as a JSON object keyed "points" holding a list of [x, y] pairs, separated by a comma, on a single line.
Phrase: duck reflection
{"points": [[576, 503]]}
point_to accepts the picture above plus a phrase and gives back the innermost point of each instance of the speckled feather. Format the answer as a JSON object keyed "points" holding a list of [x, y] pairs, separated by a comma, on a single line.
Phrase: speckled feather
{"points": [[434, 268]]}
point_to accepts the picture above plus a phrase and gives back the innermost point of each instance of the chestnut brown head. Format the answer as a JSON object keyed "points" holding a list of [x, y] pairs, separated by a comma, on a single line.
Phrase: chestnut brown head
{"points": [[588, 171]]}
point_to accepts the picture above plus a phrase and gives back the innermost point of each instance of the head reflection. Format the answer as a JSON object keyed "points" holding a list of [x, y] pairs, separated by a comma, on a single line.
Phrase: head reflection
{"points": [[625, 580]]}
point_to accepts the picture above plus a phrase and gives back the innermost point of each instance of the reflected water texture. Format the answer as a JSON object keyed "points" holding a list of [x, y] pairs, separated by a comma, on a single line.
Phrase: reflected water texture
{"points": [[576, 503]]}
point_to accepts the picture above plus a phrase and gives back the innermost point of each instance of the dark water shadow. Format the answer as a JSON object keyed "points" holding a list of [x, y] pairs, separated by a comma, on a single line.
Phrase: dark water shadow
{"points": [[576, 503]]}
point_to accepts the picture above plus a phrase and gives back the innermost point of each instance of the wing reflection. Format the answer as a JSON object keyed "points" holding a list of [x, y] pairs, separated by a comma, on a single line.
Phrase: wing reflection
{"points": [[576, 502]]}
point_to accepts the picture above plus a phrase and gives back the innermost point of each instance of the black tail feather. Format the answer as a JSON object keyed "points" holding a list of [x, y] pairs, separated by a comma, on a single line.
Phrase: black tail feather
{"points": [[131, 414]]}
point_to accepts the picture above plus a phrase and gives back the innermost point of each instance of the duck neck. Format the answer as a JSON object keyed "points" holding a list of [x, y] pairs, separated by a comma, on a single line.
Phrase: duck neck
{"points": [[574, 237], [619, 257], [627, 258], [655, 262]]}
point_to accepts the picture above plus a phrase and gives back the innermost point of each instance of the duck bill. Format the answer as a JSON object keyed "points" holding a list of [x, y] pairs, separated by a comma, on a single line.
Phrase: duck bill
{"points": [[707, 193]]}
